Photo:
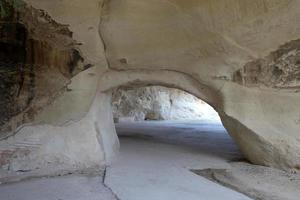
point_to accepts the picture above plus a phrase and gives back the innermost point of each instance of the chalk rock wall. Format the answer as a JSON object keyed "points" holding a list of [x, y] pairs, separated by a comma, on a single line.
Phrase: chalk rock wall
{"points": [[60, 60], [159, 103], [38, 57], [42, 67], [244, 53]]}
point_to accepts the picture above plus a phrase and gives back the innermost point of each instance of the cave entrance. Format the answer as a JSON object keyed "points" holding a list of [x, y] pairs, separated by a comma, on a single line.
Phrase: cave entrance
{"points": [[165, 115], [165, 136]]}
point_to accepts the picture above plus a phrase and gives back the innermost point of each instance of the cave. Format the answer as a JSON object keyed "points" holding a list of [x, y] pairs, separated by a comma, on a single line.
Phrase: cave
{"points": [[64, 64], [160, 130]]}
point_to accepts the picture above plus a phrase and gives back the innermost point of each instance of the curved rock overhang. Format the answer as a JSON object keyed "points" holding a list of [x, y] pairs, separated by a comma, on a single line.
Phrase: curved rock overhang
{"points": [[211, 41], [218, 51]]}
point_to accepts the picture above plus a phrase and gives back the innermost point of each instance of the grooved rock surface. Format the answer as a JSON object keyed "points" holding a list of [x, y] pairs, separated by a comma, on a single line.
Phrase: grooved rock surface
{"points": [[159, 103]]}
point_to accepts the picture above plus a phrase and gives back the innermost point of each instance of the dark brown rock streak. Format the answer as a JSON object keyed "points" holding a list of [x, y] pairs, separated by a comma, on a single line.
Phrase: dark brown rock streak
{"points": [[280, 69], [38, 57]]}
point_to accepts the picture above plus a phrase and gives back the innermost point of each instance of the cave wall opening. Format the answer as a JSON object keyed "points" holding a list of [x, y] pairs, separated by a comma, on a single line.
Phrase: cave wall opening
{"points": [[159, 103]]}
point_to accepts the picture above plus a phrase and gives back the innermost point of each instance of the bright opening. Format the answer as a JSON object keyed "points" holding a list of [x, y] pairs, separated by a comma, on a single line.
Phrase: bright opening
{"points": [[160, 103]]}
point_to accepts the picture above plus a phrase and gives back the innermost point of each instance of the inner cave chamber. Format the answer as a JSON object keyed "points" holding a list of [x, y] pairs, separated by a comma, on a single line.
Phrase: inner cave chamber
{"points": [[170, 116], [159, 103], [61, 62]]}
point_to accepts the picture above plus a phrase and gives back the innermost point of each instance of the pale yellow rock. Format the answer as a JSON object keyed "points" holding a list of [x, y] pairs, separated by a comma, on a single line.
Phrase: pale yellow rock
{"points": [[194, 45]]}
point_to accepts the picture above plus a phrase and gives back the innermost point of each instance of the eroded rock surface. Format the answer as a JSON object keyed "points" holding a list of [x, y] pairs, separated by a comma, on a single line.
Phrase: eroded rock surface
{"points": [[281, 69], [242, 57], [37, 59]]}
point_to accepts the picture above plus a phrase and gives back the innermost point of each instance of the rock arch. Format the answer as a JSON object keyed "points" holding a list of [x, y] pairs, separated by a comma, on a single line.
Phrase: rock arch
{"points": [[214, 55]]}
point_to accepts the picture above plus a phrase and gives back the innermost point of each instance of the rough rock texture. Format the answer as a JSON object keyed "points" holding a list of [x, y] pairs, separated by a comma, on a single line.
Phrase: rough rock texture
{"points": [[204, 47], [159, 103], [281, 69], [38, 56]]}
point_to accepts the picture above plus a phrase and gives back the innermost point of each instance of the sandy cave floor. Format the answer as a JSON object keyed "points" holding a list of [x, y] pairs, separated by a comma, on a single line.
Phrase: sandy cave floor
{"points": [[161, 160], [170, 160]]}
